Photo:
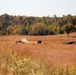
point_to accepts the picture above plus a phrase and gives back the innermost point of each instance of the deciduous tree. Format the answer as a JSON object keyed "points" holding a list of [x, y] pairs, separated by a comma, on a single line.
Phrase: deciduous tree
{"points": [[68, 28]]}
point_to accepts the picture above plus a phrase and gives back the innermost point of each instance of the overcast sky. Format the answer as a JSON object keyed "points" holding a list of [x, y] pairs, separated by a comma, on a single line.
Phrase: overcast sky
{"points": [[38, 7]]}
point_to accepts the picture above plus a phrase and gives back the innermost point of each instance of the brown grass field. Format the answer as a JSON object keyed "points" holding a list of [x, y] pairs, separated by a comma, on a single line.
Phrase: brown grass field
{"points": [[53, 49]]}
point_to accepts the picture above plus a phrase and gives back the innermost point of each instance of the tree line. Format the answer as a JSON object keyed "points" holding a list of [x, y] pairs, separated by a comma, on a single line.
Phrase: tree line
{"points": [[29, 25]]}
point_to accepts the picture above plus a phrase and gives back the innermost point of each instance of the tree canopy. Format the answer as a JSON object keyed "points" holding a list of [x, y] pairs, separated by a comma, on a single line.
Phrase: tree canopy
{"points": [[68, 28], [29, 25]]}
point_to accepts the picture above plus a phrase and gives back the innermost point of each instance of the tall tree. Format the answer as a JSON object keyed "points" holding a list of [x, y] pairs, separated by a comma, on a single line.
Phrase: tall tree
{"points": [[68, 28]]}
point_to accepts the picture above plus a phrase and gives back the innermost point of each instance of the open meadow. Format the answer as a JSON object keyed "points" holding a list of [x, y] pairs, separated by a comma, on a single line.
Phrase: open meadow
{"points": [[51, 51]]}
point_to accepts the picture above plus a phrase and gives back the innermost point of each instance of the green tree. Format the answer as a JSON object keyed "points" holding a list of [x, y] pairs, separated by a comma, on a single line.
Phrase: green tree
{"points": [[10, 30], [38, 29], [5, 17], [68, 28], [49, 30], [21, 30]]}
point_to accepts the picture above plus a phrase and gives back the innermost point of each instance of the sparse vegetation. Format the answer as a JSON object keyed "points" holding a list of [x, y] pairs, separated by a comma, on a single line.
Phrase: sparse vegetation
{"points": [[52, 58]]}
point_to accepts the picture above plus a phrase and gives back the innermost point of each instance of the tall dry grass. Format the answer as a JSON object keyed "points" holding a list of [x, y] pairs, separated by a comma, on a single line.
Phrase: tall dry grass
{"points": [[12, 64]]}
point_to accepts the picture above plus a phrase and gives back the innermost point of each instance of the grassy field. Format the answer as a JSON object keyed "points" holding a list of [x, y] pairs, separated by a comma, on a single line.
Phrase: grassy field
{"points": [[52, 52]]}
